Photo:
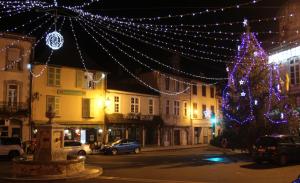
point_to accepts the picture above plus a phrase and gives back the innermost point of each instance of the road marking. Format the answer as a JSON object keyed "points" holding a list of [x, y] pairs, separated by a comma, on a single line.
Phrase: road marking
{"points": [[144, 180]]}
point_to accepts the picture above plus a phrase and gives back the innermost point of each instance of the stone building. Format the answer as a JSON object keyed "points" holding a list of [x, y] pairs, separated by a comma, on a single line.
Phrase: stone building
{"points": [[15, 56], [132, 112]]}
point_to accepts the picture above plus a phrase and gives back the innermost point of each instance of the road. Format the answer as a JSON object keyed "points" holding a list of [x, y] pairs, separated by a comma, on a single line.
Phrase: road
{"points": [[197, 165], [190, 165]]}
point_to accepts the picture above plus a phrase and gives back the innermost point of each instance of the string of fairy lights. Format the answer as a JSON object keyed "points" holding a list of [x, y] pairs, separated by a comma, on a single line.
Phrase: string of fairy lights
{"points": [[175, 38]]}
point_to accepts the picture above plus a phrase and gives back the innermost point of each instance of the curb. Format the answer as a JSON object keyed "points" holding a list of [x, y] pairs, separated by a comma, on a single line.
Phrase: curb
{"points": [[89, 173], [172, 148]]}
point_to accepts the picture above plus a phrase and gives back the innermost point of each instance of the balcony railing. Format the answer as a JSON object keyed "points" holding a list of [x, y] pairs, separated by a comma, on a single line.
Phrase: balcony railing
{"points": [[12, 109]]}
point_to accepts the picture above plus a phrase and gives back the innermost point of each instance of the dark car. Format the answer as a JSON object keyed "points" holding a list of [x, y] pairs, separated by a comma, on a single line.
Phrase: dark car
{"points": [[122, 146], [277, 148]]}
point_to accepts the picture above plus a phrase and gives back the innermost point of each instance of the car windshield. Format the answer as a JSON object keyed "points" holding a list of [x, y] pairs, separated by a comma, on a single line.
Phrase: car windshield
{"points": [[116, 142]]}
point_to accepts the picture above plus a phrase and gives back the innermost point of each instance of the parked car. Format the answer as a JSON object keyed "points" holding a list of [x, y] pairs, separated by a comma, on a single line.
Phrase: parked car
{"points": [[122, 146], [277, 148], [76, 148], [11, 147]]}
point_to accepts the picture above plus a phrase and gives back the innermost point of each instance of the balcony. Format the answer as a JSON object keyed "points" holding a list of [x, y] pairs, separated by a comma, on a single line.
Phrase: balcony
{"points": [[14, 109]]}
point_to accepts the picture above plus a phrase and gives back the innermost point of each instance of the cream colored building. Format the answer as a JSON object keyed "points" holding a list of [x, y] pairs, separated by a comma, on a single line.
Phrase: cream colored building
{"points": [[15, 55], [76, 96], [185, 109], [133, 114]]}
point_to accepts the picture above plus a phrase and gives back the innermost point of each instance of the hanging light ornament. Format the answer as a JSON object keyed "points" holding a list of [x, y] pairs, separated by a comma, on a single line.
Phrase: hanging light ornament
{"points": [[54, 40]]}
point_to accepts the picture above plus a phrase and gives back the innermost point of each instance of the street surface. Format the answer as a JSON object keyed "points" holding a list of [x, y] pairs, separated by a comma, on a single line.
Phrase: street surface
{"points": [[197, 165]]}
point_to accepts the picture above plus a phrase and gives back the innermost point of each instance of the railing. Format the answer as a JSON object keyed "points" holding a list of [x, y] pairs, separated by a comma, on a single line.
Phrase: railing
{"points": [[14, 108]]}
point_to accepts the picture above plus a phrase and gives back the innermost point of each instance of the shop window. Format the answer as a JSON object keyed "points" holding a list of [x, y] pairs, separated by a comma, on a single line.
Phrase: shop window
{"points": [[87, 108], [134, 105], [54, 103], [151, 106], [176, 108], [14, 60], [54, 76], [117, 104]]}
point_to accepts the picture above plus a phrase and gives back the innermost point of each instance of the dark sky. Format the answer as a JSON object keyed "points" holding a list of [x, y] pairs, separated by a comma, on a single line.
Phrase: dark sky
{"points": [[149, 8]]}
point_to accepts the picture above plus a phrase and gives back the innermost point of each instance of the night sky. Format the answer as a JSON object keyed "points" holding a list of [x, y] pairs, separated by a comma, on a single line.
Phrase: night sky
{"points": [[97, 58]]}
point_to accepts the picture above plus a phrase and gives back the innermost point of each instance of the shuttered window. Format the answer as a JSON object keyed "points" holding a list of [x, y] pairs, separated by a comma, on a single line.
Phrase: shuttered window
{"points": [[54, 76], [88, 110], [14, 60]]}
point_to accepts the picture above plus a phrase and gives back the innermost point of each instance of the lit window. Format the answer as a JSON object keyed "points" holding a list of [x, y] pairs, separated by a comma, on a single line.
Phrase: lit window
{"points": [[195, 110], [134, 105], [185, 109], [151, 106], [54, 103], [294, 70], [14, 60], [117, 104]]}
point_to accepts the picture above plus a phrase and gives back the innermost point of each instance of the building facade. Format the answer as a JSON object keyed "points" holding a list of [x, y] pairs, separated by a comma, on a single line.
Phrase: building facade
{"points": [[187, 108], [76, 96], [15, 55], [287, 55], [133, 115]]}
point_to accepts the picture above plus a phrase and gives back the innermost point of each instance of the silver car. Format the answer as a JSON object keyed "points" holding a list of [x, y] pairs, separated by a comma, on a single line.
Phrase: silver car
{"points": [[76, 148]]}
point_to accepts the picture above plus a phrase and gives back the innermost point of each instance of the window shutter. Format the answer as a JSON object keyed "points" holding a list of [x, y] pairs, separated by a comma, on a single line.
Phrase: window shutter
{"points": [[85, 108], [57, 105], [51, 76], [92, 108], [79, 79], [57, 77]]}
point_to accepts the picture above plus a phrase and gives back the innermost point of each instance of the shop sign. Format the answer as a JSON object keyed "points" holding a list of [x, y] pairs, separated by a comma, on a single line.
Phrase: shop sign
{"points": [[71, 92]]}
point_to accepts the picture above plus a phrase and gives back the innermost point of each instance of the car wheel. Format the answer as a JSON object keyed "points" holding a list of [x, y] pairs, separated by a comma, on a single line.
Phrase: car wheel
{"points": [[282, 160], [13, 154], [114, 151], [81, 153], [137, 150]]}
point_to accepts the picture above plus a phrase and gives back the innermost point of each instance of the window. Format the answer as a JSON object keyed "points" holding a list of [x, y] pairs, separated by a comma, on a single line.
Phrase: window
{"points": [[212, 92], [134, 105], [294, 71], [12, 95], [87, 108], [89, 80], [177, 86], [151, 106], [195, 90], [185, 88], [176, 108], [185, 109], [167, 82], [54, 76], [195, 110], [117, 104], [203, 90], [203, 111], [54, 103], [167, 107], [14, 61]]}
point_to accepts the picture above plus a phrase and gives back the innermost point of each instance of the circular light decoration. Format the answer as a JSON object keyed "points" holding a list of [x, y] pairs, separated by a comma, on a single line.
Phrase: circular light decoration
{"points": [[54, 40]]}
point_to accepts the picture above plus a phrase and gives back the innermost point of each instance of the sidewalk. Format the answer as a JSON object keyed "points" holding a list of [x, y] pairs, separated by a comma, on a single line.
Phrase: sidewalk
{"points": [[177, 147]]}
